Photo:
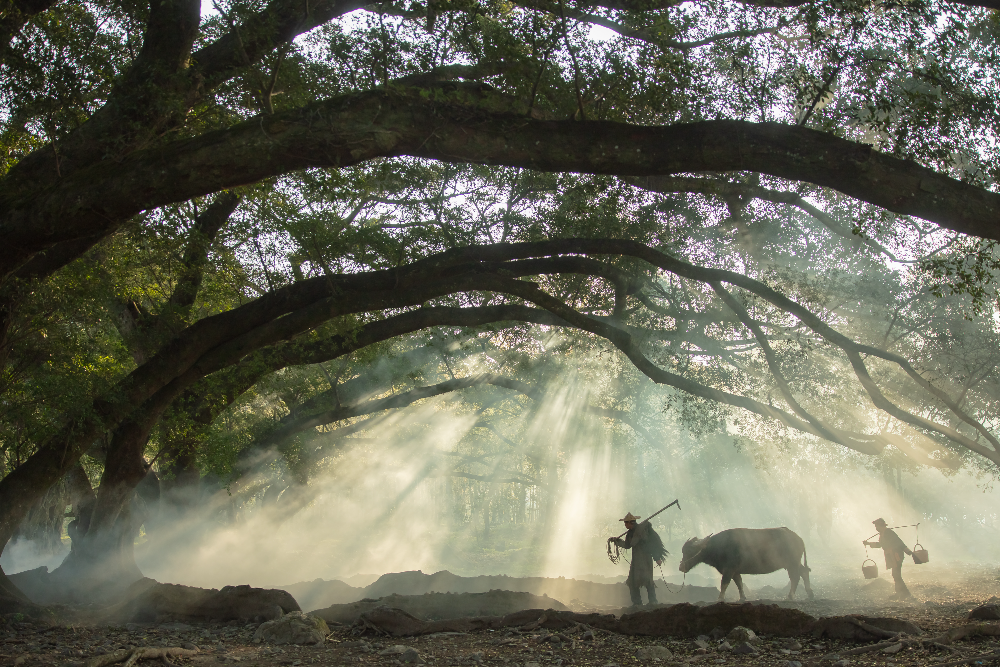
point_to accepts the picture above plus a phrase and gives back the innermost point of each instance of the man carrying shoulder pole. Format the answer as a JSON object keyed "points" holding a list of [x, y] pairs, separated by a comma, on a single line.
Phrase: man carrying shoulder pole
{"points": [[646, 547], [894, 549]]}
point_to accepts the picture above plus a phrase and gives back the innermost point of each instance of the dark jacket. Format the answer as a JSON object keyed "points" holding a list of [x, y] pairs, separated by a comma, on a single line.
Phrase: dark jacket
{"points": [[646, 547], [893, 547]]}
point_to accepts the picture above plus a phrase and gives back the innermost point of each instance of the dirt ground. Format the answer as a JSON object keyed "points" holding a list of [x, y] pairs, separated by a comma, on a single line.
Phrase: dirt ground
{"points": [[937, 607]]}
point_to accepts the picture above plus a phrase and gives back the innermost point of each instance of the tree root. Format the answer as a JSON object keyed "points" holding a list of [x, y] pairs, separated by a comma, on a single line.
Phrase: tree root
{"points": [[132, 656], [942, 641], [971, 630], [875, 647]]}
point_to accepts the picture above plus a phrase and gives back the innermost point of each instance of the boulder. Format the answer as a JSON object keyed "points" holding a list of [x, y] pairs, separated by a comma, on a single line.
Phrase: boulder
{"points": [[741, 634], [986, 612], [744, 648], [293, 628], [654, 652], [687, 620], [389, 621], [148, 601]]}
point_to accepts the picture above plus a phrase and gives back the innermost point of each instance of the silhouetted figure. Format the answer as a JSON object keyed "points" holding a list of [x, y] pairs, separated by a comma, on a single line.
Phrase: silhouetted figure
{"points": [[894, 549], [646, 547]]}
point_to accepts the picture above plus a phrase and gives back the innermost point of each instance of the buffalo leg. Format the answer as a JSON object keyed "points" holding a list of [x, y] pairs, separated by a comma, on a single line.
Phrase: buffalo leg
{"points": [[805, 581], [725, 584], [793, 581], [739, 584]]}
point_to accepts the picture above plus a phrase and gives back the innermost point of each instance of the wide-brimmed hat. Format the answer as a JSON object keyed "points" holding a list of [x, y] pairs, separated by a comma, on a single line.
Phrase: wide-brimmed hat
{"points": [[879, 521], [629, 517]]}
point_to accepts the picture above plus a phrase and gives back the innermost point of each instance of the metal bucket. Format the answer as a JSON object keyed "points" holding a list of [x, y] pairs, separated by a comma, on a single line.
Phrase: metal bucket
{"points": [[920, 555], [870, 571]]}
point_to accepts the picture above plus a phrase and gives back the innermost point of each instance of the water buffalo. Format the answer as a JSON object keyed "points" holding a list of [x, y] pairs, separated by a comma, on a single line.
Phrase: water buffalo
{"points": [[740, 551]]}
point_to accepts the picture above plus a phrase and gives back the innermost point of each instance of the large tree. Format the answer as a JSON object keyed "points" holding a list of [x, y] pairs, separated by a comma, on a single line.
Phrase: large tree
{"points": [[117, 110]]}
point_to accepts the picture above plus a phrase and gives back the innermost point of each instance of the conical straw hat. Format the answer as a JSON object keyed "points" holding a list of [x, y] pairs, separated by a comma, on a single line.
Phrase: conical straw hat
{"points": [[629, 517]]}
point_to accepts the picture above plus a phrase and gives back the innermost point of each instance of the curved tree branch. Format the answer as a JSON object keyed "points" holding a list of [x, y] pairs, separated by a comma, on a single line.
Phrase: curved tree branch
{"points": [[463, 126]]}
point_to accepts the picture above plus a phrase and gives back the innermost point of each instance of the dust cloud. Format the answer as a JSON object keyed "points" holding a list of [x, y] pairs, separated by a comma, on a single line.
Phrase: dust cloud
{"points": [[390, 502]]}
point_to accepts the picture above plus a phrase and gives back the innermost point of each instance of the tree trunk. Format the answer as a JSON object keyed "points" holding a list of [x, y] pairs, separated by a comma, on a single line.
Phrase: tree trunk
{"points": [[44, 523], [101, 563]]}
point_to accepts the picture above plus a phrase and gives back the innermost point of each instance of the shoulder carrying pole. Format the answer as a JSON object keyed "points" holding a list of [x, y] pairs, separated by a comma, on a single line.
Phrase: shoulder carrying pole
{"points": [[648, 518]]}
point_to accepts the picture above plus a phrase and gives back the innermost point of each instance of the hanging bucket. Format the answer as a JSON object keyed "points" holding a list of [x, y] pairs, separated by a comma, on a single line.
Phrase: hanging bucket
{"points": [[870, 571], [920, 555]]}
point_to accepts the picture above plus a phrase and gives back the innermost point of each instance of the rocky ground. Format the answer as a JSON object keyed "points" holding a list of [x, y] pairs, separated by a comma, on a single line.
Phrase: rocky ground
{"points": [[77, 643], [42, 643]]}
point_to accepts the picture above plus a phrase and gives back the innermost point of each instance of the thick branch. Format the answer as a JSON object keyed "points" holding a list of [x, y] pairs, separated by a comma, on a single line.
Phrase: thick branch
{"points": [[772, 361], [215, 394], [206, 227], [278, 23], [461, 127], [141, 104]]}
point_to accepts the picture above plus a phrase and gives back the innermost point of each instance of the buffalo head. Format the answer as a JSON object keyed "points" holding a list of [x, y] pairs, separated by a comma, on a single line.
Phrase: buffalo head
{"points": [[691, 551]]}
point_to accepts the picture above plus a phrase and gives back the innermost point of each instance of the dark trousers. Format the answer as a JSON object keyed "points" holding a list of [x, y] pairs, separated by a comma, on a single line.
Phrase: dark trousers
{"points": [[897, 577], [637, 596]]}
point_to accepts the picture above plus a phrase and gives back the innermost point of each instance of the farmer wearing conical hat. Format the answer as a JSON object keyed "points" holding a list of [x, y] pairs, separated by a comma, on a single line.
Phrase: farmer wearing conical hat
{"points": [[646, 547], [890, 543]]}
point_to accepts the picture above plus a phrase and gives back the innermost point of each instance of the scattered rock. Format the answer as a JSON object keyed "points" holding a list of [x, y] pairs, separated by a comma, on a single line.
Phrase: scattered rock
{"points": [[986, 612], [394, 650], [700, 643], [842, 663], [654, 652], [792, 645], [741, 634], [791, 663], [725, 646], [189, 646], [532, 664], [717, 633], [294, 628], [744, 648]]}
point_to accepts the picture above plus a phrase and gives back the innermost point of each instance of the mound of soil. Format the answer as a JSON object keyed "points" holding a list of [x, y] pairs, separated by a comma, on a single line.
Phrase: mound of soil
{"points": [[584, 594], [440, 606], [148, 601], [687, 620], [397, 623]]}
